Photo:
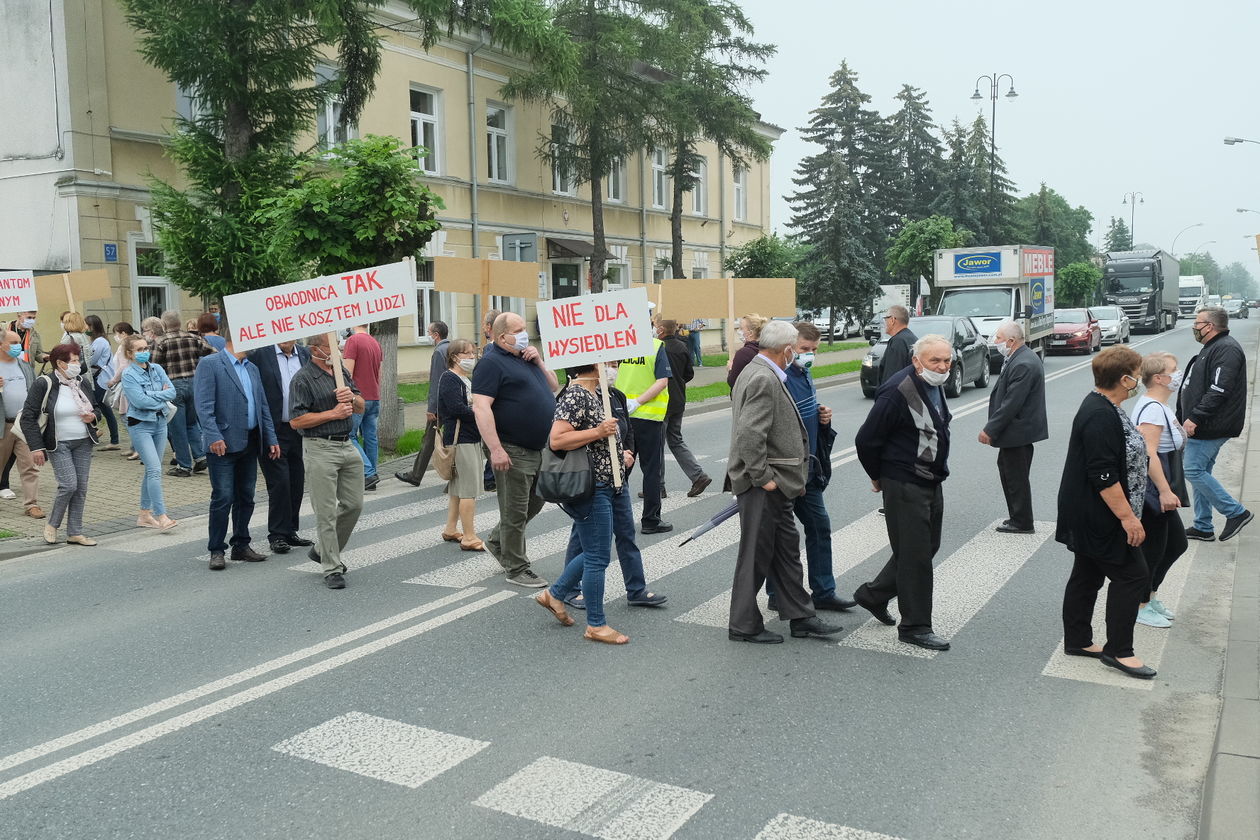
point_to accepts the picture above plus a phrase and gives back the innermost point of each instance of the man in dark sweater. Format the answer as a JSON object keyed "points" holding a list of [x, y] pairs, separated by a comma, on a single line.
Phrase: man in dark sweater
{"points": [[681, 372], [904, 447], [900, 343]]}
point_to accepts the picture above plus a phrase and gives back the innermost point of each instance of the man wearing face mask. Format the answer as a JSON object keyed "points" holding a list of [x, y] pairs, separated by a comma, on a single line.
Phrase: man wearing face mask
{"points": [[904, 447], [1017, 420], [439, 334], [681, 372], [514, 401], [1212, 406], [28, 338], [16, 379], [645, 380]]}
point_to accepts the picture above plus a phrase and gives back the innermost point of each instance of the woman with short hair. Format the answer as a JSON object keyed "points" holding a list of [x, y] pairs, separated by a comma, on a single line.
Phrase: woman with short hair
{"points": [[208, 328], [749, 330], [148, 391], [100, 367], [454, 407], [76, 331]]}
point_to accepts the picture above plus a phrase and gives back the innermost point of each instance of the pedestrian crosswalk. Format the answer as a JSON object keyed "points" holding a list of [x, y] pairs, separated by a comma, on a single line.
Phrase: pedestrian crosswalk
{"points": [[789, 827]]}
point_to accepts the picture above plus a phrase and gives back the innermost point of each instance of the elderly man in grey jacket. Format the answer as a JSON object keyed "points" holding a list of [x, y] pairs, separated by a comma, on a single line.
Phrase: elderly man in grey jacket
{"points": [[768, 468], [439, 334]]}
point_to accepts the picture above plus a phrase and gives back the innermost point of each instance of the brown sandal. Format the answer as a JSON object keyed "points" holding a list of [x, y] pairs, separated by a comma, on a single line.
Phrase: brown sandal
{"points": [[472, 545], [455, 537], [551, 605], [606, 635]]}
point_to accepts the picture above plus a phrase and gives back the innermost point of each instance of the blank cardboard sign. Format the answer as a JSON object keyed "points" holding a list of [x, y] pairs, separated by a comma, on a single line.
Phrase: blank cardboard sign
{"points": [[486, 277], [683, 299], [84, 286]]}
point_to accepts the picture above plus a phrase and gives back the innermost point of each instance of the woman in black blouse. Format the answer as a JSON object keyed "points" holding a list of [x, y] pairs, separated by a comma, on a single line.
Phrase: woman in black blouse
{"points": [[1100, 502], [455, 406]]}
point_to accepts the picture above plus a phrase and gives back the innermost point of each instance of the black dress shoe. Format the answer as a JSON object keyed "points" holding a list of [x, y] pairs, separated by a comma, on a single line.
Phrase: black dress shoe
{"points": [[697, 486], [835, 603], [1007, 528], [217, 563], [406, 478], [803, 628], [658, 528], [765, 637], [278, 546], [880, 611], [313, 556], [489, 486], [370, 482], [294, 539], [1076, 651], [201, 466], [247, 555], [335, 581], [931, 641], [1143, 672]]}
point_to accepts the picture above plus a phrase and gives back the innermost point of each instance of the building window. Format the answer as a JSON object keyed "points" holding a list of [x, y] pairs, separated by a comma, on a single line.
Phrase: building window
{"points": [[662, 266], [615, 276], [426, 128], [699, 192], [328, 124], [741, 194], [151, 292], [562, 180], [660, 178], [188, 105], [497, 144], [617, 181], [431, 305]]}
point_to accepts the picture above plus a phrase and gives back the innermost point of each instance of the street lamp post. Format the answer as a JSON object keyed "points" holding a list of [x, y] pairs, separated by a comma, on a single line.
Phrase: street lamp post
{"points": [[994, 81], [1234, 141], [1200, 245], [1133, 199], [1178, 236], [1245, 210]]}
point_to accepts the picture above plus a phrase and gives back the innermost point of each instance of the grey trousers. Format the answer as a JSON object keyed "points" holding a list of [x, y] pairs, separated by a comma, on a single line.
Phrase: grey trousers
{"points": [[517, 506], [769, 547], [912, 514], [71, 463], [678, 448], [334, 478]]}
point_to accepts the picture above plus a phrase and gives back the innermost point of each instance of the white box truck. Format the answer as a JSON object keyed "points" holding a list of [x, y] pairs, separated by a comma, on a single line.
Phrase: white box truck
{"points": [[996, 283], [1193, 294]]}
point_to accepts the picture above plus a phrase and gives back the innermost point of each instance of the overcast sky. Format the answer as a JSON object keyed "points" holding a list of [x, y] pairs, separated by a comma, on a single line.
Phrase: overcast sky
{"points": [[1115, 96]]}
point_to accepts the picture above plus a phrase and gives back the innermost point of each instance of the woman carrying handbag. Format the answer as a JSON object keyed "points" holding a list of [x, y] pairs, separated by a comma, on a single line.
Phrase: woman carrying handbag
{"points": [[459, 431]]}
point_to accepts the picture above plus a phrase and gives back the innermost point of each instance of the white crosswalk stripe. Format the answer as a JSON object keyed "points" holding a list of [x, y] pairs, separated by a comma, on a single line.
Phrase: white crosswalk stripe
{"points": [[391, 549], [382, 749], [962, 585], [593, 801], [789, 827]]}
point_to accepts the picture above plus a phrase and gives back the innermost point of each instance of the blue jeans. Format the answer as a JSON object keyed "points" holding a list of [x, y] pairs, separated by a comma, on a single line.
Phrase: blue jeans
{"points": [[693, 342], [812, 512], [186, 443], [594, 522], [366, 423], [627, 551], [1199, 459], [148, 438], [232, 479], [107, 413]]}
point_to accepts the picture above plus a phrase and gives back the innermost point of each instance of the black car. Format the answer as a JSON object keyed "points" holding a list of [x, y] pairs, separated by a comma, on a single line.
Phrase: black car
{"points": [[874, 328], [971, 353]]}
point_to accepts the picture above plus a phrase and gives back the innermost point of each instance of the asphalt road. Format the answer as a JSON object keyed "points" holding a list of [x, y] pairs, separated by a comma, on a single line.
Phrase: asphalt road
{"points": [[142, 696]]}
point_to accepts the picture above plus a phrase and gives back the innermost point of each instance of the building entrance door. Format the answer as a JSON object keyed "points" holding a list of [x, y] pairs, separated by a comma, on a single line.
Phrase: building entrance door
{"points": [[566, 280]]}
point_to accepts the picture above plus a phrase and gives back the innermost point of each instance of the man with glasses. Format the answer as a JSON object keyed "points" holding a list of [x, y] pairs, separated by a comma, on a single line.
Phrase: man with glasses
{"points": [[1212, 406], [900, 343]]}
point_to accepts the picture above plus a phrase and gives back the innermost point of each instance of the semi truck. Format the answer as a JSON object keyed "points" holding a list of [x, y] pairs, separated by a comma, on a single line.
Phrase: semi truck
{"points": [[997, 283], [1193, 292], [1146, 285]]}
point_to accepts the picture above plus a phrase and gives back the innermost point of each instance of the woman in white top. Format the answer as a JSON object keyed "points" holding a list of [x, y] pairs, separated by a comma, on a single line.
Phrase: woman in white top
{"points": [[1165, 532], [119, 364]]}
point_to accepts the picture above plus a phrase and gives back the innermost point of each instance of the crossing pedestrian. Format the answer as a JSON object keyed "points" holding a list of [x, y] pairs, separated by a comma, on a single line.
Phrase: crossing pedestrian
{"points": [[747, 330], [1017, 420], [149, 393], [455, 415], [904, 447], [695, 336], [681, 372], [285, 476], [177, 352], [100, 366], [487, 329], [439, 334], [119, 363], [901, 341], [645, 380], [1100, 504], [74, 331], [363, 359], [334, 471]]}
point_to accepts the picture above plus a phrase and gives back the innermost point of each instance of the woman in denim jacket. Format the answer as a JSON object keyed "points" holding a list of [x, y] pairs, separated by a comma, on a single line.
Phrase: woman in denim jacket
{"points": [[149, 391]]}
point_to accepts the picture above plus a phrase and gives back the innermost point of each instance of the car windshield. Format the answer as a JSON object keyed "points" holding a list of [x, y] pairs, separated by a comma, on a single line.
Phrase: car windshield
{"points": [[928, 326], [979, 303], [1069, 316], [1107, 313], [1121, 283]]}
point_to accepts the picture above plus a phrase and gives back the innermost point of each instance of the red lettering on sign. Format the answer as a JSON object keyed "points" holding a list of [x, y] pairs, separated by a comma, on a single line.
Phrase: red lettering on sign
{"points": [[284, 325], [252, 333], [365, 282], [603, 312], [568, 315]]}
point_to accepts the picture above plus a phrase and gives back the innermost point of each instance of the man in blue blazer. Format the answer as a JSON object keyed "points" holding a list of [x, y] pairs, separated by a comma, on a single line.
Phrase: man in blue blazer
{"points": [[236, 424], [286, 475]]}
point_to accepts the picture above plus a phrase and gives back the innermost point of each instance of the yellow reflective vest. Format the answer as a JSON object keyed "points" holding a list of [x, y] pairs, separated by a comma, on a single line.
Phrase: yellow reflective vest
{"points": [[637, 375]]}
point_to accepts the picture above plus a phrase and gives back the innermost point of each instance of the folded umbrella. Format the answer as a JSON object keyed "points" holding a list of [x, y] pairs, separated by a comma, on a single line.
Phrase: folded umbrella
{"points": [[718, 518]]}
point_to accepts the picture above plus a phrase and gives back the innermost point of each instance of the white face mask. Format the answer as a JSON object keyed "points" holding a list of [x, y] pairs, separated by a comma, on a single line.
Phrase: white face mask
{"points": [[804, 361], [610, 374], [73, 369], [522, 340], [1004, 349], [467, 364], [1174, 383], [931, 377]]}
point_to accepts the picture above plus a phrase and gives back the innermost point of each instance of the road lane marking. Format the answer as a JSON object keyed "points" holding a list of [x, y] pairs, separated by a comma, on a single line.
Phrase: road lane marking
{"points": [[789, 827], [964, 583], [98, 729], [391, 549], [383, 749], [593, 801], [1148, 642]]}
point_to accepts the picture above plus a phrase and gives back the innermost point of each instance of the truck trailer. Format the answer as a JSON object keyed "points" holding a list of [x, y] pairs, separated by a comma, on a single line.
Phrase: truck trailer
{"points": [[997, 283], [1146, 285]]}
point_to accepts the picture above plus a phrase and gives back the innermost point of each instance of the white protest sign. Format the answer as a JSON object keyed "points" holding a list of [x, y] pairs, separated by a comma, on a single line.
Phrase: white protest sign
{"points": [[17, 291], [323, 304], [587, 329]]}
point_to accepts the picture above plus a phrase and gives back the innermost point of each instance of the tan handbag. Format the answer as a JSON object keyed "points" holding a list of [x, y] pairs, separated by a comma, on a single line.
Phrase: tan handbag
{"points": [[444, 456]]}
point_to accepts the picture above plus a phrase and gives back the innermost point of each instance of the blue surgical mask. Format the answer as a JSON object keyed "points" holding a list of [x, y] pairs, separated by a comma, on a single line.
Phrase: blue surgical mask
{"points": [[15, 350], [28, 324], [522, 340], [143, 357]]}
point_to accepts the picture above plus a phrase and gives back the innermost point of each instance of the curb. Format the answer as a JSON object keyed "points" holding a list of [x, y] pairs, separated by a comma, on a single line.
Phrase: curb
{"points": [[14, 548]]}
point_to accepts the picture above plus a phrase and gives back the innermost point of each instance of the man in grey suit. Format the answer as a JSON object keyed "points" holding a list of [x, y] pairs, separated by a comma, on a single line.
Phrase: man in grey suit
{"points": [[768, 468], [439, 334], [1017, 420]]}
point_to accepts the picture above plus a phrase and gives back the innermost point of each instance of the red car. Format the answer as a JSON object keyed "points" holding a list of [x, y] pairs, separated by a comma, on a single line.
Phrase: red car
{"points": [[1075, 331]]}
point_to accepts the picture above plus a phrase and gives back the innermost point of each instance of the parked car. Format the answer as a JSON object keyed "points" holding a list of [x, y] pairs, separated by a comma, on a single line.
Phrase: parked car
{"points": [[844, 326], [970, 357], [1113, 323], [874, 328], [1075, 331], [1237, 309]]}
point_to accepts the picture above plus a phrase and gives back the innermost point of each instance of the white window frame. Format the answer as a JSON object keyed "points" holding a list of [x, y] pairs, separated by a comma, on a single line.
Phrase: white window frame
{"points": [[432, 305], [700, 192], [497, 160], [617, 182], [562, 181], [432, 164], [740, 195], [699, 264], [619, 259], [660, 178], [659, 271], [327, 118], [135, 240]]}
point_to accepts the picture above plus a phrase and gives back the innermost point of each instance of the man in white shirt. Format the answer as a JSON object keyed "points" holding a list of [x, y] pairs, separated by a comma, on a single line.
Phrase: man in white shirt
{"points": [[16, 377]]}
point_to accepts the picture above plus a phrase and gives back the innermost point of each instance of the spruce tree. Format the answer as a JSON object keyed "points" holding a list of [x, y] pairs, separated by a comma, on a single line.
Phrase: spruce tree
{"points": [[1120, 238], [917, 155], [960, 198], [997, 191]]}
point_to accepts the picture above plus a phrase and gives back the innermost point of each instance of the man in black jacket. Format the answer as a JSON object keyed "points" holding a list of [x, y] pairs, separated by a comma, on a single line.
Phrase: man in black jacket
{"points": [[1017, 420], [900, 343], [681, 372], [904, 447], [439, 334], [285, 476], [1212, 406]]}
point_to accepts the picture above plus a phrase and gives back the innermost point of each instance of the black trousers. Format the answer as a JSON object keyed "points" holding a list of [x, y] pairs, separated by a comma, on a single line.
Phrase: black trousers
{"points": [[286, 479], [1165, 543], [421, 465], [1014, 464], [769, 548], [1129, 582], [912, 514], [649, 439]]}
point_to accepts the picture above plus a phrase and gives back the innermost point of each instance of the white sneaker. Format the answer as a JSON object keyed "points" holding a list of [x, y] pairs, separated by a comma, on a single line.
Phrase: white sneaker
{"points": [[6, 493], [1159, 607], [1151, 618]]}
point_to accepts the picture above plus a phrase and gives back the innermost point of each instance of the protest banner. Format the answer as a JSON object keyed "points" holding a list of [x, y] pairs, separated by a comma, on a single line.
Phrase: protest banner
{"points": [[593, 329], [683, 299], [504, 278], [68, 291], [17, 291]]}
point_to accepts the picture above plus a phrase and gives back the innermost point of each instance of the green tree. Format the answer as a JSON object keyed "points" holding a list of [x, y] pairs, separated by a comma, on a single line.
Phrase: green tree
{"points": [[1203, 263], [1119, 238], [1236, 280], [766, 256], [961, 197], [360, 204], [917, 154], [910, 255], [1046, 218], [1076, 284]]}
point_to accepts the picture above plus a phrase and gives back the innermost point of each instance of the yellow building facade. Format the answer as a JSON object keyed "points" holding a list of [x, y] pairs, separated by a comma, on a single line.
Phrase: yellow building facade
{"points": [[74, 176]]}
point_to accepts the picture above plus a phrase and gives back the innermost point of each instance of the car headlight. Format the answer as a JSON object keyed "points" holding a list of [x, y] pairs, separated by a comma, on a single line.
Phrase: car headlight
{"points": [[1079, 334], [869, 360]]}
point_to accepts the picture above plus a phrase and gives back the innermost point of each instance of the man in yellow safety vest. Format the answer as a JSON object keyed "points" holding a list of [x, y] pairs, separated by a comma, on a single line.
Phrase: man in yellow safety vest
{"points": [[644, 381]]}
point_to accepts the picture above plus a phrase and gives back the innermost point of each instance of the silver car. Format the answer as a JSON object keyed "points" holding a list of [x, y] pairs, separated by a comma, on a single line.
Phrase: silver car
{"points": [[1114, 324]]}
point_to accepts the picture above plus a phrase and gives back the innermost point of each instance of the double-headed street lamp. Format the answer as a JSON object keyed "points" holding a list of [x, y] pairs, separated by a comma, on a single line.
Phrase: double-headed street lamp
{"points": [[1234, 141], [1178, 236], [994, 81], [1133, 199], [1199, 247], [1245, 210]]}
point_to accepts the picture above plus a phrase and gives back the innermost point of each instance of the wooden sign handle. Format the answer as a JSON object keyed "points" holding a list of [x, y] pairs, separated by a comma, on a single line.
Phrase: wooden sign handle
{"points": [[334, 353], [612, 441], [69, 293], [731, 323]]}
